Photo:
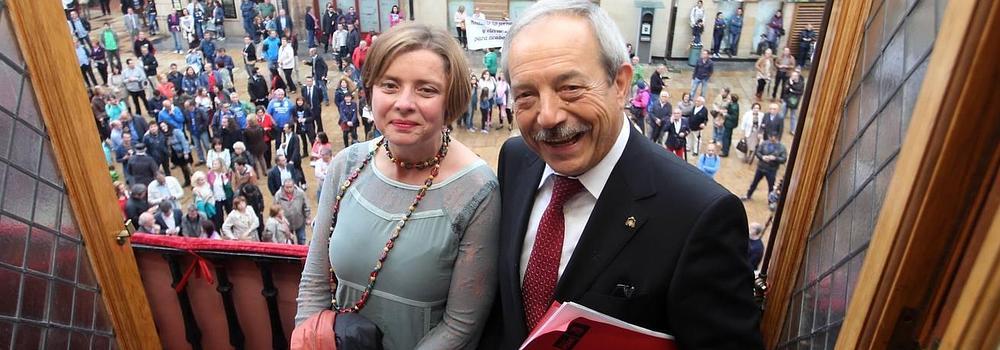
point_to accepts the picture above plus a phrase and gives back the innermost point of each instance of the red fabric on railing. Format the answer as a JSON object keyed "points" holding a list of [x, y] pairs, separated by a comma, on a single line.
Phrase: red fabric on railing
{"points": [[203, 244], [202, 267]]}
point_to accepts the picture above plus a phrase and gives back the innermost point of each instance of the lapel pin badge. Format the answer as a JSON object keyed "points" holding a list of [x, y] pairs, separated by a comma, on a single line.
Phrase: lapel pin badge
{"points": [[630, 222]]}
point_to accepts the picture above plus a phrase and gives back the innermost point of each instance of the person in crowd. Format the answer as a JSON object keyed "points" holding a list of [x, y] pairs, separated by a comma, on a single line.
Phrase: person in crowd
{"points": [[718, 114], [773, 123], [137, 203], [659, 116], [360, 54], [202, 195], [240, 151], [639, 103], [286, 61], [248, 10], [473, 103], [348, 119], [241, 223], [709, 162], [311, 25], [190, 223], [242, 173], [99, 58], [280, 109], [771, 155], [394, 17], [656, 83], [696, 122], [135, 83], [83, 58], [219, 181], [255, 200], [708, 294], [305, 126], [174, 27], [229, 133], [132, 24], [677, 132], [155, 103], [249, 56], [271, 133], [485, 109], [806, 40], [500, 101], [211, 81], [171, 115], [261, 31], [353, 41], [491, 61], [293, 201], [218, 152], [165, 189], [270, 48], [319, 76], [147, 222], [176, 79], [187, 25], [180, 150], [123, 194], [775, 196], [459, 19], [329, 25], [140, 42], [190, 81], [313, 96], [696, 31], [765, 69], [718, 33], [257, 88], [209, 231], [152, 24], [791, 98], [124, 153], [339, 41], [255, 139], [322, 143], [156, 144], [110, 40], [289, 145], [277, 230], [224, 62], [320, 167], [735, 28], [218, 19], [702, 73], [786, 65], [752, 125], [169, 219], [775, 29], [414, 147], [731, 122], [697, 13], [281, 172], [165, 88], [755, 248], [639, 73]]}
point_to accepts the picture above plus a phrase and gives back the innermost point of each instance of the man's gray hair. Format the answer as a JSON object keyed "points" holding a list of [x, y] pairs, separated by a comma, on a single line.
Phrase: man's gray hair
{"points": [[613, 51]]}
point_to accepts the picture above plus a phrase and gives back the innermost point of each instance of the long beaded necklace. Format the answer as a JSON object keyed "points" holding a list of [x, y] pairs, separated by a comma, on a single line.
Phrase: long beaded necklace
{"points": [[435, 165], [421, 165]]}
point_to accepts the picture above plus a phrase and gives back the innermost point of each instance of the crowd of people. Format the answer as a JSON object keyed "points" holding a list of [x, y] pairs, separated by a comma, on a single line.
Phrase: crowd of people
{"points": [[190, 116]]}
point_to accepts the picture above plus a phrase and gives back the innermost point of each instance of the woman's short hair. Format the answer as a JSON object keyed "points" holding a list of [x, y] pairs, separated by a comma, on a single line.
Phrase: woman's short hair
{"points": [[408, 37], [238, 200], [275, 209]]}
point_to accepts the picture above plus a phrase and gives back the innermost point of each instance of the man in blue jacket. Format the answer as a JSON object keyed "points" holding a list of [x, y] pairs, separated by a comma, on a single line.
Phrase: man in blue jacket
{"points": [[280, 109], [702, 72], [270, 48], [171, 115]]}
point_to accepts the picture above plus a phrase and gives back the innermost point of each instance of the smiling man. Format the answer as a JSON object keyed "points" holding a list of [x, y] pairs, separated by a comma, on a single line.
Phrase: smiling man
{"points": [[595, 213]]}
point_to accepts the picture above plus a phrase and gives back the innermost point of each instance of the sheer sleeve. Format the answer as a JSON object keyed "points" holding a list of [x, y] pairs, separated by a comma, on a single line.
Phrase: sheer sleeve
{"points": [[314, 287], [474, 280]]}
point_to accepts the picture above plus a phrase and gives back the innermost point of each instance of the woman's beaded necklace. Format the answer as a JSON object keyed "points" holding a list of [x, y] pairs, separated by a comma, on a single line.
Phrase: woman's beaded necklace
{"points": [[435, 165], [424, 164]]}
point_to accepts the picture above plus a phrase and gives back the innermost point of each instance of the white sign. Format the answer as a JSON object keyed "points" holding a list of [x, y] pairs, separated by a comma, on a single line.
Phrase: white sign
{"points": [[484, 33]]}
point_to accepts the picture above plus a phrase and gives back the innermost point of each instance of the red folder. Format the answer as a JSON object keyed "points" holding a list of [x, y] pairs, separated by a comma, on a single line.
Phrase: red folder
{"points": [[574, 326]]}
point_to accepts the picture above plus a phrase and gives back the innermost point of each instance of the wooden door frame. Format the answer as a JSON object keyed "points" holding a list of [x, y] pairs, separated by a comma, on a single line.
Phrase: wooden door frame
{"points": [[841, 41], [943, 175], [55, 77]]}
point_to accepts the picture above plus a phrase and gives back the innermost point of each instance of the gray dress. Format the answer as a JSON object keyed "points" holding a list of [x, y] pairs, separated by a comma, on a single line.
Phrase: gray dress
{"points": [[437, 285]]}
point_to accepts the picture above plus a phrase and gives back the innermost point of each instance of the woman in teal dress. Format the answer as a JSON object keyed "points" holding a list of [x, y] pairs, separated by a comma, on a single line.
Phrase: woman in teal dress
{"points": [[426, 199]]}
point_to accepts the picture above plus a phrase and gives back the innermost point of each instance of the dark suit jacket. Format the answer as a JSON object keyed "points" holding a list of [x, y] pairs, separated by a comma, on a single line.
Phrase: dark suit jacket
{"points": [[319, 68], [294, 150], [655, 85], [698, 118], [163, 224], [274, 178], [315, 99], [142, 168], [676, 139], [686, 255], [773, 125]]}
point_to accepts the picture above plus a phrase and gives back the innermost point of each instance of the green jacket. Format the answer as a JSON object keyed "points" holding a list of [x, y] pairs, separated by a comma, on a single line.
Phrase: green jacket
{"points": [[732, 116], [637, 75], [266, 10], [110, 41], [490, 61]]}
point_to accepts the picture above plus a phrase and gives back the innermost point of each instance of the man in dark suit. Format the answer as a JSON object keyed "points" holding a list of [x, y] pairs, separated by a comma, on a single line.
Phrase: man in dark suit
{"points": [[659, 116], [314, 97], [142, 167], [597, 214], [677, 130], [319, 72], [168, 218], [774, 123], [283, 22], [656, 83], [280, 172], [329, 25], [698, 121]]}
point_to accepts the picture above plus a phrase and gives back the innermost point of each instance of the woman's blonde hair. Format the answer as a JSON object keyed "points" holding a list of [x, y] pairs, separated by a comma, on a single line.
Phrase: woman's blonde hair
{"points": [[409, 37]]}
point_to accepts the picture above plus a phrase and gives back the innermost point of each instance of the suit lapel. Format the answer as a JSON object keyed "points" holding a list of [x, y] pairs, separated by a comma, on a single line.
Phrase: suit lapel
{"points": [[523, 198], [617, 216]]}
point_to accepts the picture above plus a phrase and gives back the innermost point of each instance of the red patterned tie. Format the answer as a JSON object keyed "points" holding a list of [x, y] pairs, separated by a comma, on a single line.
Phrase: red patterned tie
{"points": [[543, 266]]}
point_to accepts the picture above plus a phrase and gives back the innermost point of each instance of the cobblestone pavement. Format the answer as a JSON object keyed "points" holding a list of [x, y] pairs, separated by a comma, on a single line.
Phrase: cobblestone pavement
{"points": [[733, 174]]}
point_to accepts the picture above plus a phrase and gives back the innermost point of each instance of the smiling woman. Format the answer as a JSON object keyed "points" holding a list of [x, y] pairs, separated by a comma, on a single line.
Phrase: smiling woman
{"points": [[423, 208]]}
